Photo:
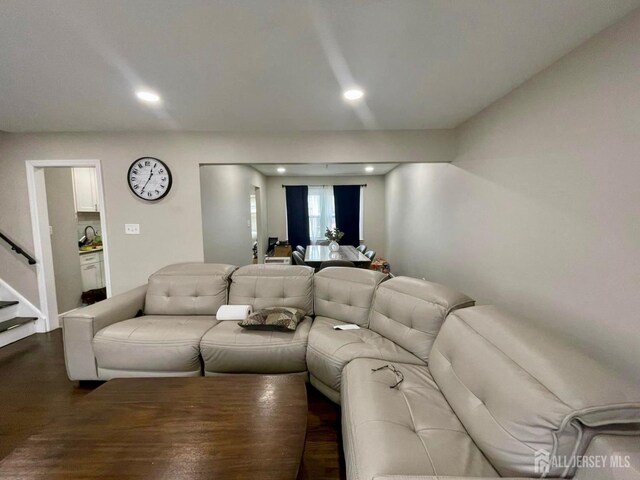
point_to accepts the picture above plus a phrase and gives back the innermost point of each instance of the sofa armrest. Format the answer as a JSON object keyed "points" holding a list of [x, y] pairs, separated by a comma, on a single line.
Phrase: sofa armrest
{"points": [[80, 326]]}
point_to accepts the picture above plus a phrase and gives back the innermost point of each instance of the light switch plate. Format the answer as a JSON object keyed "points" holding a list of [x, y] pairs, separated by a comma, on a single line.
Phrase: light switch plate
{"points": [[132, 229]]}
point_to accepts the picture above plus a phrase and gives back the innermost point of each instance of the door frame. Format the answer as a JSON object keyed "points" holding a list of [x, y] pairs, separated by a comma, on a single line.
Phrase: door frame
{"points": [[257, 192], [42, 239]]}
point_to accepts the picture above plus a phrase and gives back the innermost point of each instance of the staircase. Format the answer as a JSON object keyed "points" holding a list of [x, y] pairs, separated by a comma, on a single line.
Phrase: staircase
{"points": [[17, 316], [6, 325]]}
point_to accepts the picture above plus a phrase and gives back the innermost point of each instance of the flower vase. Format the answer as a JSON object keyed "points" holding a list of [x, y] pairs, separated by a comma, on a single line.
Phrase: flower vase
{"points": [[333, 246]]}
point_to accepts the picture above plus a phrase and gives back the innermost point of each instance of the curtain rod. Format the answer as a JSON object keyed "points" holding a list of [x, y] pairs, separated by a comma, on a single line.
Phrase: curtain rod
{"points": [[351, 185]]}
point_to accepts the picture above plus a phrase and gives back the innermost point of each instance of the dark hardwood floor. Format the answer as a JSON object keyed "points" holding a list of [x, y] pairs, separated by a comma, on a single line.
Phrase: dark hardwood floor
{"points": [[34, 390]]}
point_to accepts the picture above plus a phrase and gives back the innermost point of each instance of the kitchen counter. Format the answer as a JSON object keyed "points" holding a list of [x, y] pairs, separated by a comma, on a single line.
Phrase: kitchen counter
{"points": [[96, 249]]}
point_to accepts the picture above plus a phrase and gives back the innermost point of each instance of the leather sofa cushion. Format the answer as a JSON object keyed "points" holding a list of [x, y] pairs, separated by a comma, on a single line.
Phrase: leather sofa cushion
{"points": [[152, 344], [618, 450], [345, 293], [188, 289], [273, 286], [410, 430], [410, 312], [329, 350], [518, 388], [229, 348]]}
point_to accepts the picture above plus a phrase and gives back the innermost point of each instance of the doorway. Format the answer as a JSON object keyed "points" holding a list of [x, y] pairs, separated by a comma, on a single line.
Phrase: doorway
{"points": [[255, 208], [70, 236]]}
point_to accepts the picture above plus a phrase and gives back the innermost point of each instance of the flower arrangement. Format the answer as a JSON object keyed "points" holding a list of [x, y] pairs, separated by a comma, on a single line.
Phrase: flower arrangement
{"points": [[334, 235]]}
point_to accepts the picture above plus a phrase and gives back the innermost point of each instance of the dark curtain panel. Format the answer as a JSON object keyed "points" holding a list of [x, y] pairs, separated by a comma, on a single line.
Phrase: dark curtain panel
{"points": [[298, 215], [347, 199]]}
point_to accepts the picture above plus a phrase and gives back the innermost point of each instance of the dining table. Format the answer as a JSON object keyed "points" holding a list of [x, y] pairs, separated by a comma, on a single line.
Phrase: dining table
{"points": [[316, 254]]}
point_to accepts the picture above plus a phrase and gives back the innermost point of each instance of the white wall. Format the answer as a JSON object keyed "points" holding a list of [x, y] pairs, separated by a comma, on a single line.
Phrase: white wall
{"points": [[64, 240], [226, 212], [540, 211], [171, 229], [374, 205]]}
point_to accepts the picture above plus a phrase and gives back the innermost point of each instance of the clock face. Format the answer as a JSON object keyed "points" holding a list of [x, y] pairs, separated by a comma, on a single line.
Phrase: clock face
{"points": [[149, 178]]}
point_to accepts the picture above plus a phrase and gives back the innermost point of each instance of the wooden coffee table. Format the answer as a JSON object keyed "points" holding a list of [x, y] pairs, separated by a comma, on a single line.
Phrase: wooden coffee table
{"points": [[227, 427]]}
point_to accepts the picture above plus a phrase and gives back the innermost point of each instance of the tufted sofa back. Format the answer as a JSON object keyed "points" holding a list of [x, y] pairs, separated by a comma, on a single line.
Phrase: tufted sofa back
{"points": [[345, 294], [524, 393], [188, 289], [410, 312], [273, 286]]}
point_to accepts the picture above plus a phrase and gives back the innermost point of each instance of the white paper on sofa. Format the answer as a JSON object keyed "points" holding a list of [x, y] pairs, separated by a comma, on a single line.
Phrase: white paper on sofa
{"points": [[233, 312], [347, 326]]}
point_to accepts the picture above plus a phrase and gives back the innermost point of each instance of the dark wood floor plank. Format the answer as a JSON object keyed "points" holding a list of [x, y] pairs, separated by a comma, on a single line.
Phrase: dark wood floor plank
{"points": [[231, 427], [35, 390]]}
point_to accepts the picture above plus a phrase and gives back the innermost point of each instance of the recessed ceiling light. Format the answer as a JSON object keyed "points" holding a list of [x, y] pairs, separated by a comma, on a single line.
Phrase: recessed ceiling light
{"points": [[281, 169], [148, 96], [369, 169], [353, 94]]}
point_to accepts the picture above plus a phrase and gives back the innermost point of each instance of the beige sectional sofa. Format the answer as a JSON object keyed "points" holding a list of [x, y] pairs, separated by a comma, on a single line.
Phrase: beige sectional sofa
{"points": [[430, 386]]}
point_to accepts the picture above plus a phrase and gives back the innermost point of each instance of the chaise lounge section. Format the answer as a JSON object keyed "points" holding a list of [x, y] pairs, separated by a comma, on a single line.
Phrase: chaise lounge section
{"points": [[497, 396]]}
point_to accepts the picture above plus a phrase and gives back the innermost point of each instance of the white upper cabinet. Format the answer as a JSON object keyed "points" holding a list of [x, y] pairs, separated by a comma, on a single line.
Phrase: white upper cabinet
{"points": [[85, 190]]}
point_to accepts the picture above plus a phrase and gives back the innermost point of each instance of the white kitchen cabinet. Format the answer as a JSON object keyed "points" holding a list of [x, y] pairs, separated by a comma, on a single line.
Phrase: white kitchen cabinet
{"points": [[90, 276], [85, 189], [92, 271]]}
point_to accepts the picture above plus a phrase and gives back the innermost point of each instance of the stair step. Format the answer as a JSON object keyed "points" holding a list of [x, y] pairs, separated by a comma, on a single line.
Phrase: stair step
{"points": [[5, 304], [15, 322]]}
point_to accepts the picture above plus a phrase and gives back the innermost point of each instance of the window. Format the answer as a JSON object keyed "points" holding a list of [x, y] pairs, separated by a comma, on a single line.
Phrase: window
{"points": [[322, 213]]}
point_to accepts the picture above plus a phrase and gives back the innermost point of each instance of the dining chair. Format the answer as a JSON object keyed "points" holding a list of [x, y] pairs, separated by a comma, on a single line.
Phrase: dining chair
{"points": [[336, 263], [302, 250], [271, 243], [298, 258], [371, 254], [362, 248]]}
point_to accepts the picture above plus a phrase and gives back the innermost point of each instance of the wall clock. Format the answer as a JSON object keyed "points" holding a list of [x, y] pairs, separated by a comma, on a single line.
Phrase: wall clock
{"points": [[149, 178]]}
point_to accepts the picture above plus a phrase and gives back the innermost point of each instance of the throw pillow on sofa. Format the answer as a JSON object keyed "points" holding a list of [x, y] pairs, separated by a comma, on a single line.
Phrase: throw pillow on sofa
{"points": [[284, 319]]}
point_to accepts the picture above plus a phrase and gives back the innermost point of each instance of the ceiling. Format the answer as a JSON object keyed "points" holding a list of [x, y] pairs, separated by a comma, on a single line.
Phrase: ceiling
{"points": [[324, 170], [276, 65]]}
